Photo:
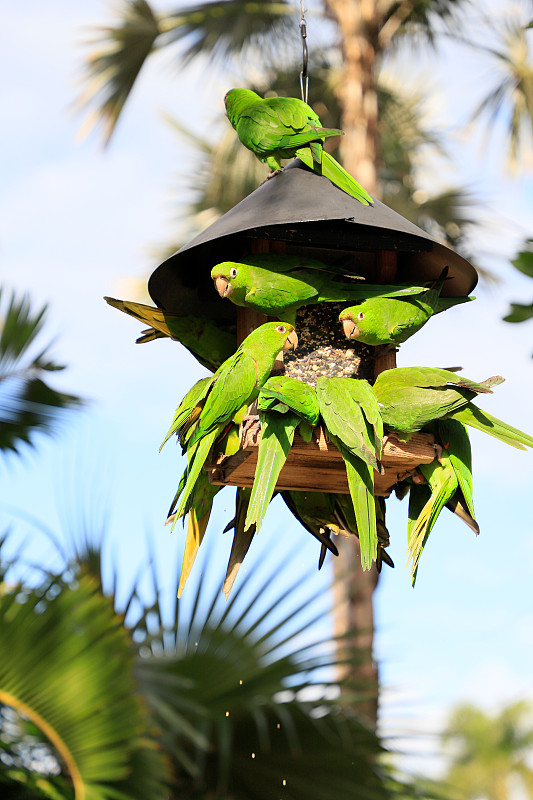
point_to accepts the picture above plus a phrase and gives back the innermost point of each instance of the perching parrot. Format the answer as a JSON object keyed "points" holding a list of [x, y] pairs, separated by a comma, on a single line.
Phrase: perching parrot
{"points": [[392, 320], [283, 403], [411, 397], [201, 419], [447, 477], [353, 422], [284, 127], [278, 285], [210, 342]]}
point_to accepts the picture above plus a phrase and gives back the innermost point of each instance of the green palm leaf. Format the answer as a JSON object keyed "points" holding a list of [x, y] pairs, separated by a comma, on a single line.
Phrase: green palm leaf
{"points": [[218, 29], [27, 403], [215, 697], [65, 665]]}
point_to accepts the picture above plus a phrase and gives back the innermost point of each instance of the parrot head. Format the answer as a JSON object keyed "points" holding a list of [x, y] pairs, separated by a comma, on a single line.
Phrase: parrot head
{"points": [[272, 335], [231, 280], [353, 321], [236, 100]]}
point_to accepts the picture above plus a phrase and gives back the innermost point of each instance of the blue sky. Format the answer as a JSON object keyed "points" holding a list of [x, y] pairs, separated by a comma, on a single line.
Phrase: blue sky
{"points": [[78, 223]]}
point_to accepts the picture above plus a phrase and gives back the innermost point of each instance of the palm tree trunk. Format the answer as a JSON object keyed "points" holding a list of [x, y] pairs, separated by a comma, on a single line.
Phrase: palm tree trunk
{"points": [[353, 610], [358, 24]]}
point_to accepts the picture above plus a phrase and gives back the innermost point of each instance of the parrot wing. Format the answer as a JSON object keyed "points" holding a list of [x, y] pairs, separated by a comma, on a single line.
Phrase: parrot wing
{"points": [[443, 483], [277, 435], [189, 409], [361, 486], [455, 440], [210, 342], [350, 412], [283, 393], [233, 385]]}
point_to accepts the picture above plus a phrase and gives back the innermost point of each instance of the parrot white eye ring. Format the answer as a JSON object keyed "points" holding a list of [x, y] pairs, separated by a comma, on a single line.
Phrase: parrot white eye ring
{"points": [[233, 272], [361, 315], [281, 329]]}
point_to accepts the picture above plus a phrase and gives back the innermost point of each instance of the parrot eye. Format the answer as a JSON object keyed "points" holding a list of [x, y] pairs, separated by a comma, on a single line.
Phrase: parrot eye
{"points": [[281, 329], [361, 315], [233, 272]]}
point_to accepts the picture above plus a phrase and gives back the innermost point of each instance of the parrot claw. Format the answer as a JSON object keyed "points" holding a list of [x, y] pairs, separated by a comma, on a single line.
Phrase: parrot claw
{"points": [[438, 452]]}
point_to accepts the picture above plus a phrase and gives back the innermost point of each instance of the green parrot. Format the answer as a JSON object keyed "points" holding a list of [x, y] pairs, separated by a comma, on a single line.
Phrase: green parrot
{"points": [[353, 422], [392, 320], [411, 397], [209, 407], [283, 403], [210, 342], [278, 285], [449, 477], [284, 127]]}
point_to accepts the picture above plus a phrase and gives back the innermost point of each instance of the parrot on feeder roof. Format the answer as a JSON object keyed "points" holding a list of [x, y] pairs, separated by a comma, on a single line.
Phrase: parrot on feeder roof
{"points": [[275, 128], [411, 397], [211, 405], [210, 342], [353, 422], [278, 284], [283, 404], [392, 320]]}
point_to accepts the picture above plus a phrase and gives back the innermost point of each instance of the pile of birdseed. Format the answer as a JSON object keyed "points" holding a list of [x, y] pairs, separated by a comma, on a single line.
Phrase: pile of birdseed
{"points": [[323, 348]]}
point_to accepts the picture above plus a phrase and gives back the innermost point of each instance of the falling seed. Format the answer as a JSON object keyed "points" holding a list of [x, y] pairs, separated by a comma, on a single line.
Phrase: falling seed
{"points": [[253, 755], [284, 782], [279, 725], [240, 683], [227, 713]]}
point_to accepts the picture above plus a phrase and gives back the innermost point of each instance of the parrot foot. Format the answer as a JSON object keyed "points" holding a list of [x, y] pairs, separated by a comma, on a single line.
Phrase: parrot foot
{"points": [[247, 422], [438, 452], [273, 174]]}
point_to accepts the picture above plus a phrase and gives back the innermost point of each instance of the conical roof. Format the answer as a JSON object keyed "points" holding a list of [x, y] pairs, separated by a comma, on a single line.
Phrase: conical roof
{"points": [[302, 208]]}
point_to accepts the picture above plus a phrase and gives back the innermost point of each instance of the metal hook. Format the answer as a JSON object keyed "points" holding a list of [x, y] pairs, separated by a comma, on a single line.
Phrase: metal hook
{"points": [[304, 77]]}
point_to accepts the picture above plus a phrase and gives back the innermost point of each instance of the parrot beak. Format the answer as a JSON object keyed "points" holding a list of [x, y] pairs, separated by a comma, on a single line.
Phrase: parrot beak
{"points": [[292, 341], [351, 331], [223, 286]]}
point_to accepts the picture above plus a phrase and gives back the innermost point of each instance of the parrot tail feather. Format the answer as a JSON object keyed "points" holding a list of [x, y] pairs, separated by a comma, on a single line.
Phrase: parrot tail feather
{"points": [[476, 418]]}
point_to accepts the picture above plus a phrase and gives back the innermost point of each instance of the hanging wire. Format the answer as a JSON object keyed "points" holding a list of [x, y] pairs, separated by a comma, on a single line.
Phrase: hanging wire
{"points": [[304, 77]]}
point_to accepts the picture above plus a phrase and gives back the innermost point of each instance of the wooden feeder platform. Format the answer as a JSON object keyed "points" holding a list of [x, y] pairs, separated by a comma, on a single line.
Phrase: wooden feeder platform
{"points": [[318, 465]]}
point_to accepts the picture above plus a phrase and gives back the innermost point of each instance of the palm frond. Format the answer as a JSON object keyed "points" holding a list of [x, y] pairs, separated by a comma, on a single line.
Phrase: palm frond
{"points": [[421, 19], [511, 96], [118, 52], [27, 403], [217, 699], [65, 665]]}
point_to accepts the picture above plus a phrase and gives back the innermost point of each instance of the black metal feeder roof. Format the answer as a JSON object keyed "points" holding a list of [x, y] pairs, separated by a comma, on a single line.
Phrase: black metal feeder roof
{"points": [[306, 210]]}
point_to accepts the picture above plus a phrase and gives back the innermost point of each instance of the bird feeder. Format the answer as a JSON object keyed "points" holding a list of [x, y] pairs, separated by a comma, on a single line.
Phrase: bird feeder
{"points": [[298, 212]]}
